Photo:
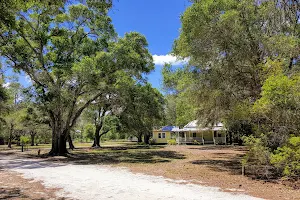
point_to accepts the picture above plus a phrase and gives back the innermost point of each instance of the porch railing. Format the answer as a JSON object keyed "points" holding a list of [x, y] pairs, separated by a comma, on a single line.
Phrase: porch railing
{"points": [[216, 140], [181, 140]]}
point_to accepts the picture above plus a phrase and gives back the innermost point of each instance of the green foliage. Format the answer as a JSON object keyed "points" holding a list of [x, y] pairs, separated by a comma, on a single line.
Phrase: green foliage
{"points": [[180, 107], [89, 131], [152, 141], [197, 142], [258, 154], [286, 159], [71, 53], [143, 109], [24, 140], [112, 135], [243, 70], [171, 142]]}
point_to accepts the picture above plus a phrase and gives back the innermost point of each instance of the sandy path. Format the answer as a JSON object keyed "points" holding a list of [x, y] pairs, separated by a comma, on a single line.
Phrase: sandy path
{"points": [[105, 182]]}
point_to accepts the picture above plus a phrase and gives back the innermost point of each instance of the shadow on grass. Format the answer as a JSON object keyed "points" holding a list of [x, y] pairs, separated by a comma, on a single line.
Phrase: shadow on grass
{"points": [[11, 193], [127, 154], [106, 155], [6, 153], [232, 164]]}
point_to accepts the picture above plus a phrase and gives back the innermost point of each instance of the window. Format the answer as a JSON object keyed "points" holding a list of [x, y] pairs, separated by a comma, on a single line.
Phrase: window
{"points": [[159, 135], [219, 135], [194, 135], [163, 135]]}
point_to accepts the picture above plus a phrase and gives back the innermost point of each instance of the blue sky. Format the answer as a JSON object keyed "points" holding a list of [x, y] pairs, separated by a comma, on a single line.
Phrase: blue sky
{"points": [[158, 20]]}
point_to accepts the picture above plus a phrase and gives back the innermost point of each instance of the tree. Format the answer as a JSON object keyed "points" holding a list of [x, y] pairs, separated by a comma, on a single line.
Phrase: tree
{"points": [[276, 113], [243, 70], [180, 106], [99, 111], [33, 122], [3, 100], [144, 110], [72, 54], [227, 47], [89, 131], [13, 111]]}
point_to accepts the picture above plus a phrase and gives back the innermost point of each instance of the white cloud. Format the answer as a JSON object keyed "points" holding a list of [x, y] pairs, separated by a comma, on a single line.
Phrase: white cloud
{"points": [[163, 59], [6, 85], [28, 79]]}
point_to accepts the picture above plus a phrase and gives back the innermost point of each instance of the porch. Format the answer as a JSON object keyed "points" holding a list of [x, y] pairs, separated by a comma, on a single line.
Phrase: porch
{"points": [[201, 137]]}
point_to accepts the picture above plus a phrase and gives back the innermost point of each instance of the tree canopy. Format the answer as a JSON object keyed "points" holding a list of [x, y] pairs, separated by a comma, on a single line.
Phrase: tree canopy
{"points": [[243, 68], [72, 55]]}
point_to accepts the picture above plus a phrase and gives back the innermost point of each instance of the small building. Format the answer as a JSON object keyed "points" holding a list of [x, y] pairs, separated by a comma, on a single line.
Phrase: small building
{"points": [[191, 134], [163, 134]]}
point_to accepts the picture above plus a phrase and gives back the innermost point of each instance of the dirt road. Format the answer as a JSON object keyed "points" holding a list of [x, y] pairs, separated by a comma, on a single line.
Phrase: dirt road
{"points": [[106, 182]]}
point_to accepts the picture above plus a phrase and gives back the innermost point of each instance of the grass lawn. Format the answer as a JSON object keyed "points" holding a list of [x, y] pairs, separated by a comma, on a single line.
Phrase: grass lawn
{"points": [[210, 165]]}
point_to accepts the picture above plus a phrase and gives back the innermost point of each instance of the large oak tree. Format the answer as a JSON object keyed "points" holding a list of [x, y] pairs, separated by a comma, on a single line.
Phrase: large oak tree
{"points": [[71, 53]]}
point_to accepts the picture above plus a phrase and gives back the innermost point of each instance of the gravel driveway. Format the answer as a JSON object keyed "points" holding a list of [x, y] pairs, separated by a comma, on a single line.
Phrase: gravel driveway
{"points": [[105, 182]]}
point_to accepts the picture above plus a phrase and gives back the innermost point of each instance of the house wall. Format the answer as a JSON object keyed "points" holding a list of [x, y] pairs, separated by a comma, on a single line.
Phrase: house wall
{"points": [[207, 135], [161, 140]]}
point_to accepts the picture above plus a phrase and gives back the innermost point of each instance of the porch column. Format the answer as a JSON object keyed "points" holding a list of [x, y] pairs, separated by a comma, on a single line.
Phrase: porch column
{"points": [[185, 137], [202, 138]]}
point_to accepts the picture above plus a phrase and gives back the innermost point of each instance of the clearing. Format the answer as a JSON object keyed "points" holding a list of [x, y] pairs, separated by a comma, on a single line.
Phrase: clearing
{"points": [[143, 172]]}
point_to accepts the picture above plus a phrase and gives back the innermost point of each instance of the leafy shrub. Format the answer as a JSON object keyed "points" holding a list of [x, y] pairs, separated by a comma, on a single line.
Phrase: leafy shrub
{"points": [[286, 159], [89, 131], [257, 159], [197, 142], [257, 153], [151, 141], [172, 142], [24, 140]]}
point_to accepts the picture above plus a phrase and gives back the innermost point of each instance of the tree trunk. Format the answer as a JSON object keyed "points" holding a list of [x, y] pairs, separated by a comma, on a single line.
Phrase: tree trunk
{"points": [[140, 138], [18, 140], [32, 139], [10, 135], [59, 144], [230, 137], [71, 145], [9, 142], [146, 138], [97, 137]]}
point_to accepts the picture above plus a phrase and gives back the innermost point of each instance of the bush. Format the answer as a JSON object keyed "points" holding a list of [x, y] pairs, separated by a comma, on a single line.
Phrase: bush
{"points": [[257, 153], [171, 142], [257, 159], [286, 159], [89, 131], [24, 140], [197, 142], [151, 141]]}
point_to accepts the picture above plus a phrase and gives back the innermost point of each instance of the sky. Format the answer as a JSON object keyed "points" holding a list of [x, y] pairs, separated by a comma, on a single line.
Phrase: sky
{"points": [[157, 20]]}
